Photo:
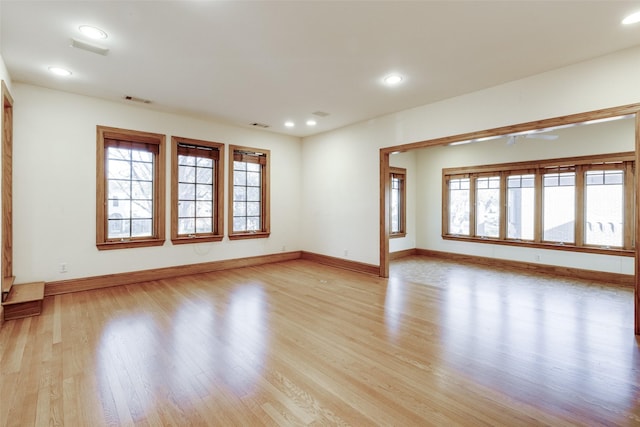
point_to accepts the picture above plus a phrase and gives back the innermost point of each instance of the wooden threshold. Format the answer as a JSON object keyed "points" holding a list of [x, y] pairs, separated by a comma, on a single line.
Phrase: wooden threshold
{"points": [[24, 300]]}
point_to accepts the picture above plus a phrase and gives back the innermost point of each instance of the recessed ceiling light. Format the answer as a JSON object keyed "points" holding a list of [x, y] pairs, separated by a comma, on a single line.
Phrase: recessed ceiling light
{"points": [[392, 79], [289, 124], [60, 71], [311, 122], [92, 32], [631, 19]]}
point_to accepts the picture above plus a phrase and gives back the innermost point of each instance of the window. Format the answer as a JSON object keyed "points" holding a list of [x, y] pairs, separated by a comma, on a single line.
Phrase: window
{"points": [[248, 193], [604, 208], [398, 195], [488, 206], [583, 203], [130, 189], [196, 191], [459, 202], [559, 207], [520, 206]]}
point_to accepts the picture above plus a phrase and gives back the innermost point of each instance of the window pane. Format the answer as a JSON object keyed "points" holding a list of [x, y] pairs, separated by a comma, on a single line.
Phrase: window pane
{"points": [[142, 190], [239, 209], [459, 206], [559, 207], [253, 179], [141, 156], [205, 176], [186, 160], [141, 227], [186, 191], [203, 225], [239, 193], [253, 223], [141, 209], [239, 223], [186, 174], [119, 208], [118, 169], [118, 228], [205, 162], [253, 194], [186, 226], [186, 209], [204, 209], [520, 207], [204, 192], [488, 207], [604, 208], [118, 153], [142, 171], [119, 189]]}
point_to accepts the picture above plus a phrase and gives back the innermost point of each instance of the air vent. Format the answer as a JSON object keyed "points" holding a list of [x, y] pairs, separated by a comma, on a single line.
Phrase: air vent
{"points": [[134, 99], [259, 125], [320, 114], [89, 47]]}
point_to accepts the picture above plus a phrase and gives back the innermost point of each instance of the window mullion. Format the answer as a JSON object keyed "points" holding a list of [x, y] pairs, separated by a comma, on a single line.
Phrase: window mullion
{"points": [[472, 205], [580, 205], [537, 233], [502, 235]]}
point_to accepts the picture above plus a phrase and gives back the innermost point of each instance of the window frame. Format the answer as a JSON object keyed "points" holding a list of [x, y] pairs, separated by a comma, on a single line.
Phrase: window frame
{"points": [[217, 214], [401, 175], [265, 205], [103, 242], [622, 161]]}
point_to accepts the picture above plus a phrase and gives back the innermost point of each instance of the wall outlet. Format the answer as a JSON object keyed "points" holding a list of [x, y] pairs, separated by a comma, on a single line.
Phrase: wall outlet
{"points": [[537, 257], [63, 267], [346, 252], [284, 248]]}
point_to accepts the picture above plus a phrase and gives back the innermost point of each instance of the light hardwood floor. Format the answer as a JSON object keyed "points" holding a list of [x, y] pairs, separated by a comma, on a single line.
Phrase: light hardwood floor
{"points": [[298, 343]]}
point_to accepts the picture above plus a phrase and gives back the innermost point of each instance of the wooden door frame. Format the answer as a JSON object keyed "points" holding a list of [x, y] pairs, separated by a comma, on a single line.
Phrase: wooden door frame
{"points": [[385, 187], [7, 184]]}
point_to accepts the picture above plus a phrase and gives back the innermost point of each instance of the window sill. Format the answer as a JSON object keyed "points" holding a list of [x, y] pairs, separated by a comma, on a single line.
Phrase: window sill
{"points": [[545, 245], [126, 244], [181, 240], [396, 235], [256, 235]]}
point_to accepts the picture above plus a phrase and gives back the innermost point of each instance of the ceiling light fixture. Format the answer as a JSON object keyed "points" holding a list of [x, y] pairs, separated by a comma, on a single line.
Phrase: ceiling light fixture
{"points": [[311, 122], [631, 19], [289, 124], [60, 71], [92, 32], [392, 79]]}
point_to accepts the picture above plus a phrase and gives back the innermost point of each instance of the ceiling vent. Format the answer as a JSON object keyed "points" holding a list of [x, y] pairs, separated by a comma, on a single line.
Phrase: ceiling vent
{"points": [[89, 47], [134, 99], [320, 114], [259, 125]]}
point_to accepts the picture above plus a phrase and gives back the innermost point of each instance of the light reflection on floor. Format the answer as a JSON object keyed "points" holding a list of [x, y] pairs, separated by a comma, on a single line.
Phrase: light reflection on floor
{"points": [[536, 329]]}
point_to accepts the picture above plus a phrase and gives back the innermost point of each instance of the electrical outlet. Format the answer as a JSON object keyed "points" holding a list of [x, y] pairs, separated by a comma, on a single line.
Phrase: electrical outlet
{"points": [[63, 267], [346, 252]]}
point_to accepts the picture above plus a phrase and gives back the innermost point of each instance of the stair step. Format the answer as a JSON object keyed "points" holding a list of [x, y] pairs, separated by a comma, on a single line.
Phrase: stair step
{"points": [[7, 283], [24, 300]]}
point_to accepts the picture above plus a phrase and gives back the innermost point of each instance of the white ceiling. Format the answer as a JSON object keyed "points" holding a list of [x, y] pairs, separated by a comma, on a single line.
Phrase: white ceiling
{"points": [[271, 61]]}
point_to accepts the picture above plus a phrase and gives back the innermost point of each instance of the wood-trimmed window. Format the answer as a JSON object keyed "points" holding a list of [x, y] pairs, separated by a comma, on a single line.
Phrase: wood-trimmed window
{"points": [[197, 190], [397, 209], [130, 184], [248, 193], [582, 203]]}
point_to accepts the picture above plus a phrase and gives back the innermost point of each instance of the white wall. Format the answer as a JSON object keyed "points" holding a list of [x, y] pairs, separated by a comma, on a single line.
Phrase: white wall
{"points": [[407, 161], [341, 168], [55, 185]]}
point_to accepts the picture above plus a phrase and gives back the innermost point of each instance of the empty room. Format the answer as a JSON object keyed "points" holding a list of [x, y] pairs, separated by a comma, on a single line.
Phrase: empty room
{"points": [[247, 213]]}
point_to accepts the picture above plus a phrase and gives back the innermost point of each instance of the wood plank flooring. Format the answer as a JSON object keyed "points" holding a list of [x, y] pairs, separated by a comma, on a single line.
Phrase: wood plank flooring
{"points": [[301, 344]]}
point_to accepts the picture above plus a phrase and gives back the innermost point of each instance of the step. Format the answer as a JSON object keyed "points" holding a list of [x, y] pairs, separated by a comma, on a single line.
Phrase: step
{"points": [[7, 282], [24, 300]]}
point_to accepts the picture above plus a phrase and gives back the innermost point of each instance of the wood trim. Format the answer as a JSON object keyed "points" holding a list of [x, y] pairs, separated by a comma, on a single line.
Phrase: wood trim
{"points": [[403, 201], [218, 193], [385, 226], [521, 127], [637, 232], [7, 185], [579, 217], [403, 253], [118, 279], [360, 267], [626, 280], [159, 206]]}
